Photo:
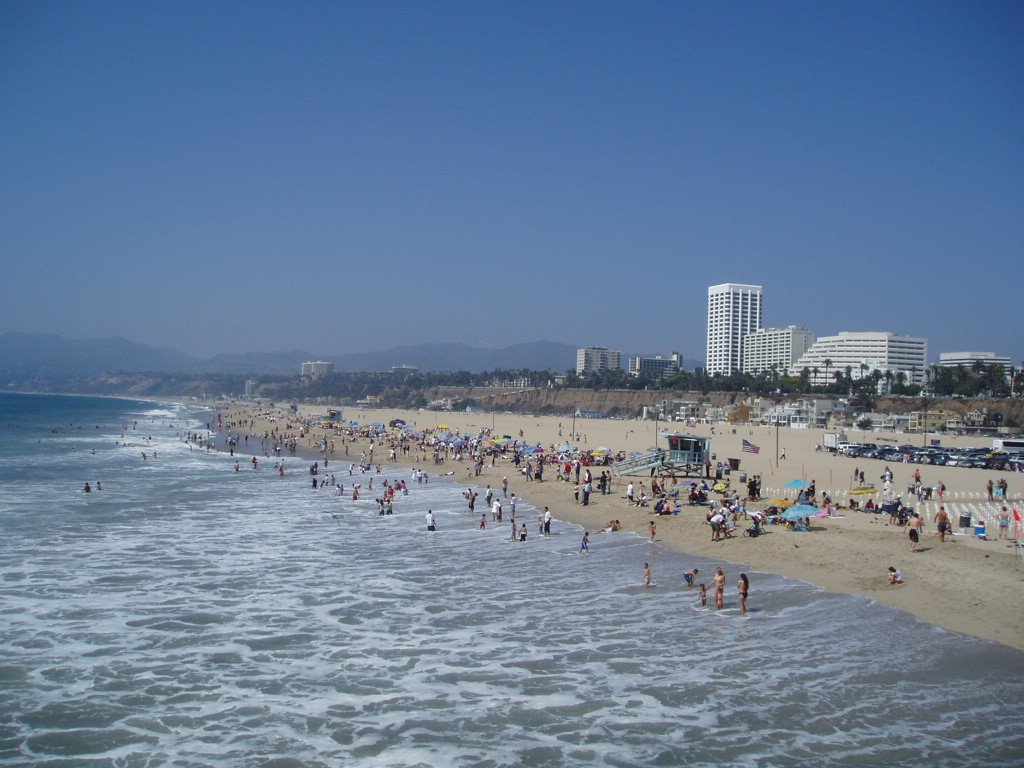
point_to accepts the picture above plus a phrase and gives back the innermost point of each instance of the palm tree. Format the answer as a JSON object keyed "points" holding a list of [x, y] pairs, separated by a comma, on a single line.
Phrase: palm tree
{"points": [[828, 364], [815, 373]]}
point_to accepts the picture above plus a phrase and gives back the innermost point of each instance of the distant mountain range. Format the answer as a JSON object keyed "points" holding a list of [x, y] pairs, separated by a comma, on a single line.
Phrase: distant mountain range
{"points": [[32, 355]]}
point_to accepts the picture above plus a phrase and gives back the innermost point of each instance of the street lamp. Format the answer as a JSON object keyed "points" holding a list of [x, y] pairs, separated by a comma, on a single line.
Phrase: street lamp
{"points": [[776, 439]]}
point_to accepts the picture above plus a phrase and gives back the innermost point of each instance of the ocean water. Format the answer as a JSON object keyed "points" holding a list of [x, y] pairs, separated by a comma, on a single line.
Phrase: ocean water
{"points": [[192, 615]]}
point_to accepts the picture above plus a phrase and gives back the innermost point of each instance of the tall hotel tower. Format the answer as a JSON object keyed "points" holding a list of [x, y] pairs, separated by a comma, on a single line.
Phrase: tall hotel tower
{"points": [[734, 310]]}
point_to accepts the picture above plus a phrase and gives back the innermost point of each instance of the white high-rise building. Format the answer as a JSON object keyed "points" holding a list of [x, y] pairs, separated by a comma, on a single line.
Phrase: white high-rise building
{"points": [[778, 347], [734, 312], [316, 368], [597, 359], [864, 352]]}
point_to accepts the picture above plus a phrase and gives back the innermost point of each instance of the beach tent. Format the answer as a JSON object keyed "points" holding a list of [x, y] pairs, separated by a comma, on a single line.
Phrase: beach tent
{"points": [[797, 484]]}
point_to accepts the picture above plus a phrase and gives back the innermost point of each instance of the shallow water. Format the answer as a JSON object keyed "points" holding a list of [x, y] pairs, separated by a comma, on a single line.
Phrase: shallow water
{"points": [[189, 615]]}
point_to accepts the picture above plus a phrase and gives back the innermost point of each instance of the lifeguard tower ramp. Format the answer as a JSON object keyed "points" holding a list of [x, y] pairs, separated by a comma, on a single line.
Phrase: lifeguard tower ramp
{"points": [[686, 454]]}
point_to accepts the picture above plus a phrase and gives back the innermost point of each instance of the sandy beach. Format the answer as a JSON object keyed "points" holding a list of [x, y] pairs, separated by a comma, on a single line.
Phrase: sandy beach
{"points": [[964, 584]]}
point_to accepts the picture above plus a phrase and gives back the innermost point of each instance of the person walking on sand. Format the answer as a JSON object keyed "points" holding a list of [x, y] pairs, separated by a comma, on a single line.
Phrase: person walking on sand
{"points": [[743, 586], [914, 531], [942, 523], [719, 588], [1004, 523], [647, 574]]}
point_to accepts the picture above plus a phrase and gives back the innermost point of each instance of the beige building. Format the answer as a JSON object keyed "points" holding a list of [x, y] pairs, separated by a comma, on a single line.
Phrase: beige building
{"points": [[317, 368], [929, 421], [597, 359], [778, 347]]}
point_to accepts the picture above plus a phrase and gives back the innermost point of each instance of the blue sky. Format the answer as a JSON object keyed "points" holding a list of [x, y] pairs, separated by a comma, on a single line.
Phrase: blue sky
{"points": [[341, 177]]}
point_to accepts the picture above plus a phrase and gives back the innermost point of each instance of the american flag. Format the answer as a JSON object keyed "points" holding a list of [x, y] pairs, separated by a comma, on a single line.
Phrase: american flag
{"points": [[749, 447]]}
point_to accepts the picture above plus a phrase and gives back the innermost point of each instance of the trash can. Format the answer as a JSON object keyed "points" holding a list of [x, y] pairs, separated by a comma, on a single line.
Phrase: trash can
{"points": [[965, 520], [743, 477], [718, 474]]}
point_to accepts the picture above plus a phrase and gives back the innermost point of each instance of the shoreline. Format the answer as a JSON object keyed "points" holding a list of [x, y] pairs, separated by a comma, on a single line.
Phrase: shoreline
{"points": [[964, 585]]}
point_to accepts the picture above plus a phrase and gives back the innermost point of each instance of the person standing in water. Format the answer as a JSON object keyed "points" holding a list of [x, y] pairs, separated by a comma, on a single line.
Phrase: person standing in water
{"points": [[719, 588], [647, 574], [585, 544], [743, 586]]}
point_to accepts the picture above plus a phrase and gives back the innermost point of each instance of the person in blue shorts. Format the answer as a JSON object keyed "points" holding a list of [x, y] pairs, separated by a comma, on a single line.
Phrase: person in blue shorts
{"points": [[585, 544]]}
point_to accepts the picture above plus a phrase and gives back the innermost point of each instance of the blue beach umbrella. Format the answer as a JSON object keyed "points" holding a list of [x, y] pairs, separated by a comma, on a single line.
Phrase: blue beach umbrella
{"points": [[800, 511]]}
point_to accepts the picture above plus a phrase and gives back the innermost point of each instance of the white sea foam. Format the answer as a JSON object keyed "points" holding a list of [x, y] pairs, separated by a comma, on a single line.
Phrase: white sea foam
{"points": [[193, 615]]}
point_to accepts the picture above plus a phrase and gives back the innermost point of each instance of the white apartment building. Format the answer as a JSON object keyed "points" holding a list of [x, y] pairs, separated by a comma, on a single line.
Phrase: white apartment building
{"points": [[317, 368], [780, 347], [658, 366], [597, 359], [967, 359], [864, 352], [734, 312]]}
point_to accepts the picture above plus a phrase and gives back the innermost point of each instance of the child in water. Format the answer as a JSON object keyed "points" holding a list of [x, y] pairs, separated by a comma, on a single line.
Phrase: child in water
{"points": [[704, 594]]}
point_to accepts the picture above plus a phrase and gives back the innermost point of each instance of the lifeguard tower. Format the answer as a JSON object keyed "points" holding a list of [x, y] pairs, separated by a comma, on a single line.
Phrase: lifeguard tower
{"points": [[686, 454]]}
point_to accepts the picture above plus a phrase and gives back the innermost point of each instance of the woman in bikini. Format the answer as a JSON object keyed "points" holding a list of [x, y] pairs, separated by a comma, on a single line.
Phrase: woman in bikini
{"points": [[743, 585]]}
